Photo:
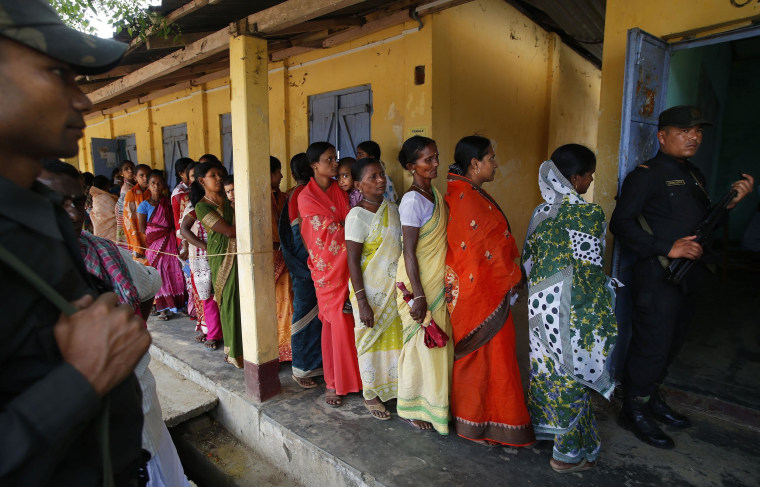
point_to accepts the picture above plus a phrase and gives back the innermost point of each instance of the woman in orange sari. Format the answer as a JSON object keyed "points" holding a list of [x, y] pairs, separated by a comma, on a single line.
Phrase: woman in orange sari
{"points": [[283, 287], [135, 196], [482, 279], [324, 207]]}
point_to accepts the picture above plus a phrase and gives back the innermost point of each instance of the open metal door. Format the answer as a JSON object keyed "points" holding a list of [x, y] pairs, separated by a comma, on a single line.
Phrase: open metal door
{"points": [[644, 95]]}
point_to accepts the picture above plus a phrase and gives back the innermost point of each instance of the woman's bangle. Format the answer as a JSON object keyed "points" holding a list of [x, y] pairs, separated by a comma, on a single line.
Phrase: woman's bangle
{"points": [[360, 291], [420, 296]]}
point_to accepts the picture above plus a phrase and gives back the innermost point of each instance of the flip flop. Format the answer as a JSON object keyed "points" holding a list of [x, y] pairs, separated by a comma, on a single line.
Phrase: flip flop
{"points": [[330, 394], [163, 317], [200, 337], [305, 385], [486, 443], [380, 408], [212, 344], [583, 465]]}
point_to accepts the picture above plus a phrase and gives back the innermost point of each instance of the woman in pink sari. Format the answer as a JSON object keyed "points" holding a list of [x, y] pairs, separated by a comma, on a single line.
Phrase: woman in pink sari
{"points": [[323, 207], [156, 221]]}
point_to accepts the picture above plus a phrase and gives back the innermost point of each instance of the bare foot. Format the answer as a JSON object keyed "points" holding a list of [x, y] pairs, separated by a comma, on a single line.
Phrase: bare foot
{"points": [[418, 424], [332, 399]]}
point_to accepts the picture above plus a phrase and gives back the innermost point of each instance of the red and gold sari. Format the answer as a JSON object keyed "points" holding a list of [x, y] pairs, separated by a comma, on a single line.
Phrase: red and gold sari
{"points": [[282, 284], [135, 238], [487, 400], [323, 214]]}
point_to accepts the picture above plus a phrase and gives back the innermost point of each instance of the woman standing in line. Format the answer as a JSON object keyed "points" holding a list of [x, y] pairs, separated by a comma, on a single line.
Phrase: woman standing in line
{"points": [[482, 279], [424, 373], [324, 207], [306, 328], [218, 219], [156, 222], [209, 328], [132, 199], [570, 310], [373, 242]]}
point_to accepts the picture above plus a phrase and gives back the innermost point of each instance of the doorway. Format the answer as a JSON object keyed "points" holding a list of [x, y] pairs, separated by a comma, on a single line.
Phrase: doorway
{"points": [[721, 356]]}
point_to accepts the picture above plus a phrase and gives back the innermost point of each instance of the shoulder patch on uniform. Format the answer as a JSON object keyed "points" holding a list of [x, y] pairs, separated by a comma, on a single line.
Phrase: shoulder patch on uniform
{"points": [[643, 166]]}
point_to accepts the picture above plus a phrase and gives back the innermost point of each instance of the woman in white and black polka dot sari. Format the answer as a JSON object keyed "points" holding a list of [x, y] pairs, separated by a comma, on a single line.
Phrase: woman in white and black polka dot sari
{"points": [[570, 310]]}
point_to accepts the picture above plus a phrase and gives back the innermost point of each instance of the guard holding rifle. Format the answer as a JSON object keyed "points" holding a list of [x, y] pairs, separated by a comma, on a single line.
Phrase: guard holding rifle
{"points": [[660, 206]]}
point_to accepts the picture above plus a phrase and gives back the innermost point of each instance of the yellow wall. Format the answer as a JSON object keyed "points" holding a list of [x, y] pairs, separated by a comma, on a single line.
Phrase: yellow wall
{"points": [[489, 70], [497, 74], [660, 18]]}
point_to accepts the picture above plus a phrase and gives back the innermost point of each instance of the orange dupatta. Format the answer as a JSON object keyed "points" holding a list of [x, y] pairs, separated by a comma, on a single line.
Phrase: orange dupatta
{"points": [[481, 267], [135, 239]]}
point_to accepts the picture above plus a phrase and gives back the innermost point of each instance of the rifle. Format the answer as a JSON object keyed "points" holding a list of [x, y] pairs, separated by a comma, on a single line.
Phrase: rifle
{"points": [[679, 267]]}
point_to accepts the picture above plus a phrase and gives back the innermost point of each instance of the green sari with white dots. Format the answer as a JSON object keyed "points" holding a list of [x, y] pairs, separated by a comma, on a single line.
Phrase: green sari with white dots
{"points": [[571, 317]]}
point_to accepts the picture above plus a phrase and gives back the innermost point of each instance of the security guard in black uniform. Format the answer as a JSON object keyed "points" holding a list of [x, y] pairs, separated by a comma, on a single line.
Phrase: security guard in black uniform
{"points": [[661, 203]]}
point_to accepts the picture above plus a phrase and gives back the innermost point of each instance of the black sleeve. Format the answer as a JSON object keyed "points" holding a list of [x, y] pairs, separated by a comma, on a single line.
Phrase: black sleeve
{"points": [[624, 224], [46, 414]]}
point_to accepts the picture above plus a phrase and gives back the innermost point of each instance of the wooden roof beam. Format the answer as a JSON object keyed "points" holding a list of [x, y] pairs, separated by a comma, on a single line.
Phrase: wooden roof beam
{"points": [[281, 16], [314, 25]]}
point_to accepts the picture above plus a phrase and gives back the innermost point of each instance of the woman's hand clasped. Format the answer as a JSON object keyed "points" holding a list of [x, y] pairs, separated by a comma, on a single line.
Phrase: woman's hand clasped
{"points": [[419, 309], [366, 315]]}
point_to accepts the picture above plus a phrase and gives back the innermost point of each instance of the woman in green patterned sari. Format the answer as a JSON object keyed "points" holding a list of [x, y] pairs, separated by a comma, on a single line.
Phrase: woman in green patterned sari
{"points": [[215, 213], [373, 243], [570, 310]]}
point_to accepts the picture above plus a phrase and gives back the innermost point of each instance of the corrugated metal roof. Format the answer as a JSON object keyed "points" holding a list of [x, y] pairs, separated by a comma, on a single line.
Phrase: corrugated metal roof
{"points": [[580, 23]]}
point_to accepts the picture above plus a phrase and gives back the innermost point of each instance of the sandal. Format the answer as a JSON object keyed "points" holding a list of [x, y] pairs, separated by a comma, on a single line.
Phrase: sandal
{"points": [[487, 443], [163, 316], [200, 337], [330, 395], [564, 467], [418, 427], [376, 410], [153, 311], [305, 382], [212, 344]]}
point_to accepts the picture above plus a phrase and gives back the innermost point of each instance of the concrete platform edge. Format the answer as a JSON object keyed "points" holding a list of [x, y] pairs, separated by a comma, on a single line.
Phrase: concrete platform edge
{"points": [[304, 461]]}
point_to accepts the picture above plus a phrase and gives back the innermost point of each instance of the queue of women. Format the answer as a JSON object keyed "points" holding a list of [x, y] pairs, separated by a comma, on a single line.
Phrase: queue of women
{"points": [[410, 302]]}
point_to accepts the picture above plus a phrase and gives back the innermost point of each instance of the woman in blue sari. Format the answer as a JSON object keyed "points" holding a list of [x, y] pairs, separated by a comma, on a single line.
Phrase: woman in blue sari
{"points": [[306, 330]]}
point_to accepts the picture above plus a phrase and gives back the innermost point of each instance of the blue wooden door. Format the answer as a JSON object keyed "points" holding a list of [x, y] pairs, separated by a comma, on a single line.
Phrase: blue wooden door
{"points": [[645, 92], [127, 148], [105, 156], [175, 146], [354, 110], [226, 132], [341, 118]]}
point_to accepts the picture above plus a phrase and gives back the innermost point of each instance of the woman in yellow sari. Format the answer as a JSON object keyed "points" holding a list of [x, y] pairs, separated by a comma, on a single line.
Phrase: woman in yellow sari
{"points": [[424, 373], [373, 244]]}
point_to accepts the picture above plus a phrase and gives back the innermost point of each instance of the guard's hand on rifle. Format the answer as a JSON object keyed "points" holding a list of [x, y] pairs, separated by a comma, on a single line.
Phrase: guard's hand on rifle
{"points": [[687, 248], [743, 187]]}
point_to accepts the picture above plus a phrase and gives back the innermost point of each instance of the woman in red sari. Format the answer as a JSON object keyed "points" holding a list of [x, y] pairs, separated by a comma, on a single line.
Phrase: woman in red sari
{"points": [[156, 221], [323, 207], [482, 278]]}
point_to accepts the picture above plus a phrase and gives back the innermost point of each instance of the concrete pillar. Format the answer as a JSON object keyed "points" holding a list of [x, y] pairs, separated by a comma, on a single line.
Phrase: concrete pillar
{"points": [[250, 141]]}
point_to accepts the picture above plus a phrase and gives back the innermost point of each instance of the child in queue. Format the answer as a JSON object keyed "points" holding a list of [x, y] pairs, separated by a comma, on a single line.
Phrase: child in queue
{"points": [[346, 182]]}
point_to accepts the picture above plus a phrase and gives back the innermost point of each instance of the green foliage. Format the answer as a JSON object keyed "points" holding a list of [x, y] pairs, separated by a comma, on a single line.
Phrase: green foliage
{"points": [[130, 15]]}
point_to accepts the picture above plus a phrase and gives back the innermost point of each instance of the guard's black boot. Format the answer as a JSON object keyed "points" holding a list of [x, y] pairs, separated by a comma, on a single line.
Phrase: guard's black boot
{"points": [[637, 418], [664, 414]]}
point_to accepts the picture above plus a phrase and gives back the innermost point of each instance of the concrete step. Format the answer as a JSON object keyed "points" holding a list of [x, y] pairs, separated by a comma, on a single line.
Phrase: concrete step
{"points": [[181, 399]]}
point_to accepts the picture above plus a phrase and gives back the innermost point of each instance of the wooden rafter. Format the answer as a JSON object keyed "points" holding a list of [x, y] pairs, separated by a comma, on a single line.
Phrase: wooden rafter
{"points": [[281, 16]]}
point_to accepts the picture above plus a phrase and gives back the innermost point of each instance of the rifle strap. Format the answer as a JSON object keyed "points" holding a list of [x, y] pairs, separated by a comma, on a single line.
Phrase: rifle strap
{"points": [[39, 284], [664, 261], [701, 186]]}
